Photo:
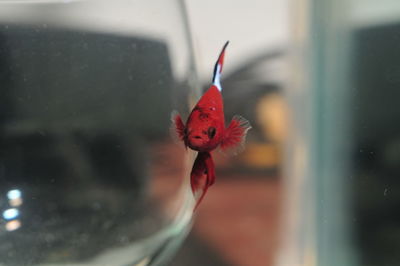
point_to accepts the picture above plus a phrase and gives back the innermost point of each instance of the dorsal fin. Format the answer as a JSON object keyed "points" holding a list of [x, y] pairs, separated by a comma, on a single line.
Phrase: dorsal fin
{"points": [[218, 68]]}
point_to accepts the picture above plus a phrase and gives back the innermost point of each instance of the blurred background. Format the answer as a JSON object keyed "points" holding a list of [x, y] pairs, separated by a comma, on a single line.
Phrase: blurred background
{"points": [[89, 174], [318, 181]]}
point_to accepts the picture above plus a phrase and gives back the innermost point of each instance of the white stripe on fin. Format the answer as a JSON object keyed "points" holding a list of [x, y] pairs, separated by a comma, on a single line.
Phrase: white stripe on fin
{"points": [[218, 68], [217, 78]]}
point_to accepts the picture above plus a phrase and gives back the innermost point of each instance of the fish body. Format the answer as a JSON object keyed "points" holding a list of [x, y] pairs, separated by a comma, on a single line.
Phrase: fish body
{"points": [[205, 126], [205, 131]]}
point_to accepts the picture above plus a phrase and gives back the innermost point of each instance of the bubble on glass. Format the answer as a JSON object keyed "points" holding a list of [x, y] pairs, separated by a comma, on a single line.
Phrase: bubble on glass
{"points": [[385, 192]]}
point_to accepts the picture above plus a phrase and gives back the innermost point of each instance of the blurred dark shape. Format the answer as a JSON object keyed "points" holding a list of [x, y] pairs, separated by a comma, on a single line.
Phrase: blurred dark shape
{"points": [[377, 143], [77, 110], [246, 92], [244, 87]]}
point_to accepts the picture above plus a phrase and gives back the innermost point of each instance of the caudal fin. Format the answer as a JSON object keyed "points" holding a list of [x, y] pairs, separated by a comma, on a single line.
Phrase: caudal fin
{"points": [[218, 68], [202, 176], [235, 135]]}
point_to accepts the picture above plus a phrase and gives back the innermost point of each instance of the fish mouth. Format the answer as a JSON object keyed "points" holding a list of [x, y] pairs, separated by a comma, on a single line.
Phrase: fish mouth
{"points": [[196, 145], [201, 145]]}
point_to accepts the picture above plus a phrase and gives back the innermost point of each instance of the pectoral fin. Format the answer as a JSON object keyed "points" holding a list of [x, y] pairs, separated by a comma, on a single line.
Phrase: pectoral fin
{"points": [[235, 135], [177, 129]]}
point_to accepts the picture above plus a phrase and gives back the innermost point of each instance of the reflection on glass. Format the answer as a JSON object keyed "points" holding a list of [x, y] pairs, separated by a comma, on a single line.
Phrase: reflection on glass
{"points": [[10, 214], [13, 225], [86, 169], [14, 197], [14, 194]]}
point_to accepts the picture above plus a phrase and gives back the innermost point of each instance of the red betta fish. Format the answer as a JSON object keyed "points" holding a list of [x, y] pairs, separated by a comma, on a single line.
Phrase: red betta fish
{"points": [[205, 130]]}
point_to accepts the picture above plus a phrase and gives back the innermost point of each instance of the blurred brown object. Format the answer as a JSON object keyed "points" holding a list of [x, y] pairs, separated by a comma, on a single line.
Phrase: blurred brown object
{"points": [[240, 219]]}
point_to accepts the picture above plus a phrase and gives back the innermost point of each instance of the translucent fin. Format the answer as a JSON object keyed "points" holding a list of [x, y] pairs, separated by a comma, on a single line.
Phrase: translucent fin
{"points": [[177, 128], [235, 135], [199, 195]]}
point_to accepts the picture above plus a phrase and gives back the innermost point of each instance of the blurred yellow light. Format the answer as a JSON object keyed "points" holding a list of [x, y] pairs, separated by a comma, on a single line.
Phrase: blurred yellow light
{"points": [[262, 155], [272, 117]]}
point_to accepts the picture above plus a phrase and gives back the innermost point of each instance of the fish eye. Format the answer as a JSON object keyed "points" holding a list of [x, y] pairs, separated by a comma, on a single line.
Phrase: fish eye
{"points": [[211, 132]]}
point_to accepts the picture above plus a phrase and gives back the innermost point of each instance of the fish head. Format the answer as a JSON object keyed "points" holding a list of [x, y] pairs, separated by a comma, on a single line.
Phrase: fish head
{"points": [[203, 131], [202, 138]]}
